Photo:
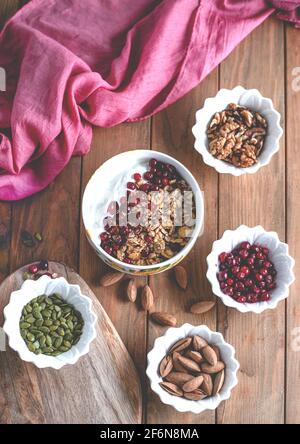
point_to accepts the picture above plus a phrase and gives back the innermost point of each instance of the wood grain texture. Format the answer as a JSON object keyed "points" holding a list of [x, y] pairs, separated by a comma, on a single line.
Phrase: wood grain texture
{"points": [[101, 388], [293, 222], [252, 200], [128, 318], [171, 133]]}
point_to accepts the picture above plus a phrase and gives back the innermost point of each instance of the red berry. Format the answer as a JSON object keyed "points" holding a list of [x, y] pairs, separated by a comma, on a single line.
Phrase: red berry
{"points": [[263, 271], [258, 277], [229, 291], [244, 254], [265, 296], [165, 181], [260, 255], [155, 188], [222, 276], [245, 245], [148, 175], [222, 257], [145, 187], [108, 249], [239, 286], [235, 269], [267, 264], [33, 269], [223, 285], [137, 177], [241, 275], [153, 163], [149, 239], [104, 237], [245, 270], [242, 299], [255, 289], [131, 186], [265, 251], [127, 260], [248, 282], [230, 282]]}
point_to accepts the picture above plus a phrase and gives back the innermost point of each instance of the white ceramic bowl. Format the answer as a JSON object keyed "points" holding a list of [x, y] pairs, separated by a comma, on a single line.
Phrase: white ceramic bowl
{"points": [[252, 99], [101, 189], [70, 293], [283, 262], [161, 347]]}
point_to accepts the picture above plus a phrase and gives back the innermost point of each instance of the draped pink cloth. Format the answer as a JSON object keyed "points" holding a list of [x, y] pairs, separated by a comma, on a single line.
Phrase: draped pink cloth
{"points": [[71, 64]]}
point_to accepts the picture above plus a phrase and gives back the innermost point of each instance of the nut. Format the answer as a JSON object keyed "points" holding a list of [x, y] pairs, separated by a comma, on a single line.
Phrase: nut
{"points": [[210, 369], [195, 356], [199, 343], [237, 135], [181, 277], [180, 345], [202, 307], [189, 364], [178, 378], [196, 395], [110, 278], [166, 366], [131, 290], [147, 298], [209, 354], [193, 384], [171, 388], [218, 382], [164, 318], [207, 384]]}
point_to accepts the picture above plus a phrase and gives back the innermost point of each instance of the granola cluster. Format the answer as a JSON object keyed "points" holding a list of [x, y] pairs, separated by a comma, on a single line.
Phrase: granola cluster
{"points": [[156, 236], [236, 135]]}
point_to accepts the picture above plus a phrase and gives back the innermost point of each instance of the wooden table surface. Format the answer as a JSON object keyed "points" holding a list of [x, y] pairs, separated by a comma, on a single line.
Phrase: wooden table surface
{"points": [[269, 379]]}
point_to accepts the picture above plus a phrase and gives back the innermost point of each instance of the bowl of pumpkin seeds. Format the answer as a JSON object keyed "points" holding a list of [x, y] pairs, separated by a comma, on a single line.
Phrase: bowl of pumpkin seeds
{"points": [[49, 322]]}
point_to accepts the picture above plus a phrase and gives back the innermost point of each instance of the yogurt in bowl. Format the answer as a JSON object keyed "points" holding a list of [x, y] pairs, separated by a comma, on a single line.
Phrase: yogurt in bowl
{"points": [[125, 173]]}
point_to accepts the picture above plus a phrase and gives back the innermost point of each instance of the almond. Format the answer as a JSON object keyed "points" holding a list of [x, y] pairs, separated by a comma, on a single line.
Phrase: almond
{"points": [[189, 364], [199, 343], [217, 351], [178, 378], [131, 290], [209, 354], [207, 385], [171, 388], [196, 395], [218, 382], [164, 318], [210, 369], [180, 345], [195, 356], [193, 384], [202, 307], [181, 277], [176, 364], [110, 278], [147, 299], [165, 366]]}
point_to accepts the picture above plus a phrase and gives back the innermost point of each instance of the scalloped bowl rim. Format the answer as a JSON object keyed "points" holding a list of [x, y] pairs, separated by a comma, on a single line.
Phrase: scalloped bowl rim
{"points": [[12, 329], [221, 166], [164, 342], [227, 300]]}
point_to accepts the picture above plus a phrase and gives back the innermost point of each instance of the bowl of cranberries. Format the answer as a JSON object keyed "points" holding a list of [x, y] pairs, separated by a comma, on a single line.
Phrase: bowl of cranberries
{"points": [[142, 211], [250, 269]]}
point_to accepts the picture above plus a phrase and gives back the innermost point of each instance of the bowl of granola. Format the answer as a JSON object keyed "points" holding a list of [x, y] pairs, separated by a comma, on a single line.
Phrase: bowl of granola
{"points": [[142, 211], [237, 131]]}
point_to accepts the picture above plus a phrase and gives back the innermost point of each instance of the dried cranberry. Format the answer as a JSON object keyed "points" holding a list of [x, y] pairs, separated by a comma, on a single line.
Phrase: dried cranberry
{"points": [[148, 175], [137, 177], [153, 163], [131, 186]]}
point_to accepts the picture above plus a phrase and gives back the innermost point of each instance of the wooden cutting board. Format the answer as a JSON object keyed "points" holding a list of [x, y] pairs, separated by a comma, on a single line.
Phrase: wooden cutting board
{"points": [[101, 388]]}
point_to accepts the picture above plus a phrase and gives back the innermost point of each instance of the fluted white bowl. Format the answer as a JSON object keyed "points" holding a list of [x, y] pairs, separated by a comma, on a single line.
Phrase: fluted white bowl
{"points": [[279, 255], [252, 99], [161, 348], [72, 295]]}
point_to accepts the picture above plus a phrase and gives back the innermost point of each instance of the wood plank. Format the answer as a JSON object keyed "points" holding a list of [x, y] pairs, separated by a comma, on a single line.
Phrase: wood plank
{"points": [[293, 221], [55, 214], [128, 319], [258, 62], [76, 394], [171, 133]]}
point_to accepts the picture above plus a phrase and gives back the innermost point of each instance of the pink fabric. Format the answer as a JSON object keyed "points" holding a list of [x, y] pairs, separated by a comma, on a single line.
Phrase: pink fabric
{"points": [[72, 64]]}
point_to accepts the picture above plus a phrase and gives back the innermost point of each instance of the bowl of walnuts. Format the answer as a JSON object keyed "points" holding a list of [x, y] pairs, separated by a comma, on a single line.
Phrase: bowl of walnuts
{"points": [[237, 131]]}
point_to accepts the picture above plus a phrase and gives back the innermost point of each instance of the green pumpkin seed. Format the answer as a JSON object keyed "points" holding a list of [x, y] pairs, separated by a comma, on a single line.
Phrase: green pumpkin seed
{"points": [[50, 326], [24, 325]]}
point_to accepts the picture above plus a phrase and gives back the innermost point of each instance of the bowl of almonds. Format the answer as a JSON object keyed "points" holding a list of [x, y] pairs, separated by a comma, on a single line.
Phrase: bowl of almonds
{"points": [[237, 131], [192, 368]]}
